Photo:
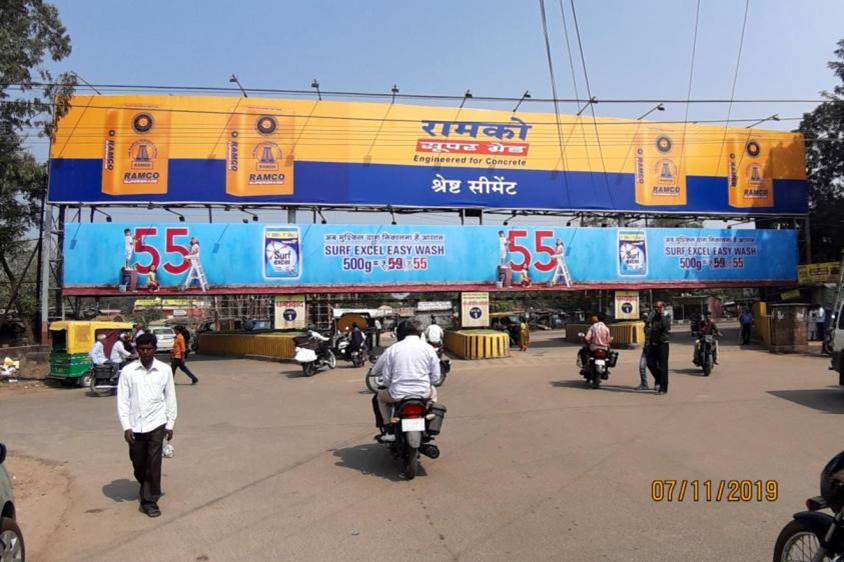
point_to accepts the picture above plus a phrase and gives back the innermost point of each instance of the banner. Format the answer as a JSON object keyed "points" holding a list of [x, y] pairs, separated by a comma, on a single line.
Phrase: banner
{"points": [[826, 272], [224, 258], [290, 312], [180, 149], [474, 310], [627, 305]]}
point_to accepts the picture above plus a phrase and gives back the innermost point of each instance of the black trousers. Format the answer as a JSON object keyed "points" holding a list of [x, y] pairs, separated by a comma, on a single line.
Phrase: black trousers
{"points": [[145, 454], [180, 364], [745, 334], [658, 364]]}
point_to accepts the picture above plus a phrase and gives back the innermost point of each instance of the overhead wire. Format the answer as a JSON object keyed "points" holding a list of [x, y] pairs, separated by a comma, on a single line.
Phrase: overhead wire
{"points": [[553, 90], [691, 76], [735, 76]]}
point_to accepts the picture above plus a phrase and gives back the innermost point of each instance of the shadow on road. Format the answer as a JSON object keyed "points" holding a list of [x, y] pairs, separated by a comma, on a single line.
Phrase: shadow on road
{"points": [[829, 400], [581, 385], [694, 372], [122, 490], [372, 459]]}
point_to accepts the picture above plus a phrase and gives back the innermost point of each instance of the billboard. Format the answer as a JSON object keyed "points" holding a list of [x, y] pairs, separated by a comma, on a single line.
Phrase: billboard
{"points": [[300, 258], [182, 149]]}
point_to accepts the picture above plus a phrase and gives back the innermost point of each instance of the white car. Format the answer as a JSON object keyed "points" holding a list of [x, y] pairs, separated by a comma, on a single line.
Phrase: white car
{"points": [[164, 336], [11, 539]]}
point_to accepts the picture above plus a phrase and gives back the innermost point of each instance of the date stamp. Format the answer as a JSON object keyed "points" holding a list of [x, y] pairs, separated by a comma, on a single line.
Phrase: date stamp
{"points": [[715, 491]]}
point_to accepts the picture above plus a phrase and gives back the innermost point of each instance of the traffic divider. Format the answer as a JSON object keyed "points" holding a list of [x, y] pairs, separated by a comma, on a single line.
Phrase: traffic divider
{"points": [[273, 345], [478, 344], [624, 334]]}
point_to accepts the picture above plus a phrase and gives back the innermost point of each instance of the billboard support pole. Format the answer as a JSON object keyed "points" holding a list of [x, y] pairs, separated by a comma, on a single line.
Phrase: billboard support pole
{"points": [[807, 239], [44, 269], [291, 215]]}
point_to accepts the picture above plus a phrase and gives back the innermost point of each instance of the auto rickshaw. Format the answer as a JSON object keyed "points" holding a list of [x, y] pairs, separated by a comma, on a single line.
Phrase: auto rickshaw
{"points": [[70, 342]]}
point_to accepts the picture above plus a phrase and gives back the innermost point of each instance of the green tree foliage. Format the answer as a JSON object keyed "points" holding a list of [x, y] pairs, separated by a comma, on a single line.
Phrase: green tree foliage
{"points": [[31, 101], [824, 132]]}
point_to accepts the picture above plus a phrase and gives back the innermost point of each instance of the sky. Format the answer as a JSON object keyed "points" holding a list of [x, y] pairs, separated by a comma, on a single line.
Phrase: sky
{"points": [[636, 49]]}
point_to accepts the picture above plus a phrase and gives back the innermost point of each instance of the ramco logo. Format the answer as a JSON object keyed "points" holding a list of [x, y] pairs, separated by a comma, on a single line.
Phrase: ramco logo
{"points": [[233, 155], [108, 161]]}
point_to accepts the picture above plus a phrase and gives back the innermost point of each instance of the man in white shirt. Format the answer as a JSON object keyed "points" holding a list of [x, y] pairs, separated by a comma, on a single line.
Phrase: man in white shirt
{"points": [[146, 407], [433, 333], [409, 367], [119, 353], [97, 353]]}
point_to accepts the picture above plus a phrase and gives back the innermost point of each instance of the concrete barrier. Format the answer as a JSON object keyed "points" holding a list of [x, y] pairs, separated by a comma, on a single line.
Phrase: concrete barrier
{"points": [[270, 344], [624, 334], [478, 344]]}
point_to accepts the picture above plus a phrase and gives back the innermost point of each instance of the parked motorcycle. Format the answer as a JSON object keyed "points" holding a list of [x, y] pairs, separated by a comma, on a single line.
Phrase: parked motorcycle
{"points": [[415, 422], [812, 535], [705, 353], [313, 354]]}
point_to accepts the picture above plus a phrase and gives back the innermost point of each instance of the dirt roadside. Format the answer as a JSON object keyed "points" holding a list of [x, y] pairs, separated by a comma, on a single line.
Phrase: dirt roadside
{"points": [[41, 490]]}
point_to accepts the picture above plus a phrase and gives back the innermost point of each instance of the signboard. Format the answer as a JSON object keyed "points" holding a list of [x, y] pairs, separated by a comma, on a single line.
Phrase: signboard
{"points": [[827, 272], [433, 306], [177, 149], [227, 258], [474, 310], [627, 305], [290, 312]]}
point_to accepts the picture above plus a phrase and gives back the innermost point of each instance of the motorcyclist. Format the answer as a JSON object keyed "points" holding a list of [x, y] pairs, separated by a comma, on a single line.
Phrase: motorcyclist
{"points": [[707, 327], [356, 339], [433, 333], [409, 367], [597, 337]]}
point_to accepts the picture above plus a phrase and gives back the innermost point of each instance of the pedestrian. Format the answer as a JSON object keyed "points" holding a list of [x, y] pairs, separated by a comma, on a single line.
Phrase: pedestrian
{"points": [[178, 354], [659, 330], [821, 331], [643, 366], [146, 407], [120, 352], [139, 329], [813, 324], [524, 335], [746, 322]]}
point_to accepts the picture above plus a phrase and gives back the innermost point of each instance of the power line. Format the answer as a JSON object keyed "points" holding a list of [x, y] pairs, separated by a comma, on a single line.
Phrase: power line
{"points": [[691, 75], [390, 95], [553, 86], [735, 74], [589, 93]]}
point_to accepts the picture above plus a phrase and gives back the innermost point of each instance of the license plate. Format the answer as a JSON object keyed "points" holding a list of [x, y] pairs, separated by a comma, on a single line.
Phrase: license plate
{"points": [[413, 424], [600, 362]]}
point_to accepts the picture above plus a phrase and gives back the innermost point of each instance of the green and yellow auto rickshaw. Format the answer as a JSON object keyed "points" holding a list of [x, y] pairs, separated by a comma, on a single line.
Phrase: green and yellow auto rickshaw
{"points": [[70, 342]]}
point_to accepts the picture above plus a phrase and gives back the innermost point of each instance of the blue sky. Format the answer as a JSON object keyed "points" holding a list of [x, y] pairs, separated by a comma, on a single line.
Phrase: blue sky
{"points": [[495, 47]]}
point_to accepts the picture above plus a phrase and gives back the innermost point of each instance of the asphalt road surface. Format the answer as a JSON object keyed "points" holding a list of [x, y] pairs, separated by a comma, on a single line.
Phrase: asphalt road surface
{"points": [[535, 466]]}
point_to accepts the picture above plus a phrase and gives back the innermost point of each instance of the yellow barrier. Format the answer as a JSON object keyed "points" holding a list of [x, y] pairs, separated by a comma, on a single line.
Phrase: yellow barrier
{"points": [[279, 346], [763, 328], [478, 344], [623, 333]]}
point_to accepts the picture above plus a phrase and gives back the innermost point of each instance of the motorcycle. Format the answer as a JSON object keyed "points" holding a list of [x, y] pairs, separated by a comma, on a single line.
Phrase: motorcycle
{"points": [[597, 367], [415, 422], [705, 353], [360, 356], [812, 535], [445, 364], [313, 355], [104, 379], [374, 383]]}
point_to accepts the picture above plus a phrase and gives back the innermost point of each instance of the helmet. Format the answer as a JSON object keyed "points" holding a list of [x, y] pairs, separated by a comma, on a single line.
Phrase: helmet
{"points": [[832, 482]]}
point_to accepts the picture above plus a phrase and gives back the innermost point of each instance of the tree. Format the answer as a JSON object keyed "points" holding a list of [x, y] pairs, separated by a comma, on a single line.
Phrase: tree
{"points": [[31, 101], [824, 132]]}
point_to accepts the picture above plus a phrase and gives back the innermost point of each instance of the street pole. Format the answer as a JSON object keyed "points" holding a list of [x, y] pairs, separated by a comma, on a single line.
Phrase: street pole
{"points": [[44, 267]]}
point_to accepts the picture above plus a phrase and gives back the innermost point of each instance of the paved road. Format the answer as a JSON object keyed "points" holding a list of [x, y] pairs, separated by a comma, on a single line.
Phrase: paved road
{"points": [[273, 466]]}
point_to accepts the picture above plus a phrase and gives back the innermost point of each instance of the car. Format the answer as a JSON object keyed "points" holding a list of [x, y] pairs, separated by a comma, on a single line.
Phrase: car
{"points": [[11, 540], [165, 337]]}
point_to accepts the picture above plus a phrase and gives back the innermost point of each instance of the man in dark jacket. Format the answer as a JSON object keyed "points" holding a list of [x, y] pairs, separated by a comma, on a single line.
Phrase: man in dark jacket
{"points": [[659, 330]]}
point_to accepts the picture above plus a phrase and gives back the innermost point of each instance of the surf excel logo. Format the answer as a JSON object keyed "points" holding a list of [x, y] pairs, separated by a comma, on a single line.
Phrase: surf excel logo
{"points": [[142, 153]]}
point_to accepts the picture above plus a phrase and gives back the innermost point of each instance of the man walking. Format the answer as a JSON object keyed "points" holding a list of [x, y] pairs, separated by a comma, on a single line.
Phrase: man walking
{"points": [[146, 407], [659, 329], [177, 359], [746, 321]]}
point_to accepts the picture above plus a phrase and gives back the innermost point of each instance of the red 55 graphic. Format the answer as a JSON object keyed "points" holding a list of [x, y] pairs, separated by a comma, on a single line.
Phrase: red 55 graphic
{"points": [[180, 265], [514, 240]]}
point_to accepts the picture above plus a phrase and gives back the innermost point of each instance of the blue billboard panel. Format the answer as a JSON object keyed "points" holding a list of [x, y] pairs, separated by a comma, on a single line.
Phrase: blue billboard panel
{"points": [[225, 258]]}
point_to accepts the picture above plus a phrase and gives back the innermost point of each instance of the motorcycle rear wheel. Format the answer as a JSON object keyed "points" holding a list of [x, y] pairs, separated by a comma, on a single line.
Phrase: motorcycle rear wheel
{"points": [[309, 369], [331, 360], [796, 542], [411, 463], [596, 378]]}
